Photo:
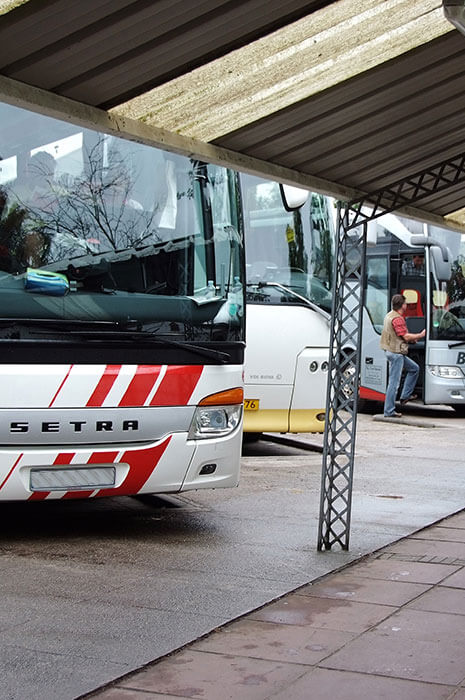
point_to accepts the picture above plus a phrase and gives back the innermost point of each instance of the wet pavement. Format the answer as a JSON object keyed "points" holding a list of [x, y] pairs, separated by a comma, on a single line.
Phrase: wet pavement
{"points": [[92, 591], [389, 626]]}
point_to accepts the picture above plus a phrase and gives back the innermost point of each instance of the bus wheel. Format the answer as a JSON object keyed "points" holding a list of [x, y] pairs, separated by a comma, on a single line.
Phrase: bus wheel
{"points": [[347, 373]]}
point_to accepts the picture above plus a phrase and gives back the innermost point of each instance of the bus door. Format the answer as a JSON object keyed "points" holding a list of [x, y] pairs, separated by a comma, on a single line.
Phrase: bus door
{"points": [[412, 284], [445, 375], [373, 366]]}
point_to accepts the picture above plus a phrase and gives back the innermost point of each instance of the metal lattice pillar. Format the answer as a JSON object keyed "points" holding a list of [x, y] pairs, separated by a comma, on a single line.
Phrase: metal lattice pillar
{"points": [[343, 380], [346, 328]]}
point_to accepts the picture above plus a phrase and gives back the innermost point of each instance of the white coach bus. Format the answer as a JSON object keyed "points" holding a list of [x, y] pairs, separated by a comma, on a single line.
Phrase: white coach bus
{"points": [[289, 268], [427, 265], [122, 339]]}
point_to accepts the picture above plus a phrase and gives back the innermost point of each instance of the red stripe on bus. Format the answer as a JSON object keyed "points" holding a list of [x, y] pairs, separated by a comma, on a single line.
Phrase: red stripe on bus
{"points": [[64, 458], [142, 464], [141, 385], [60, 387], [102, 457], [177, 386], [77, 494], [38, 496], [371, 394], [104, 385]]}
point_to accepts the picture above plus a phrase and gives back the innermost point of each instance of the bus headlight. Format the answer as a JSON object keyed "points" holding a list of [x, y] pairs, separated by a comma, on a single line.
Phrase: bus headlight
{"points": [[217, 415], [446, 371]]}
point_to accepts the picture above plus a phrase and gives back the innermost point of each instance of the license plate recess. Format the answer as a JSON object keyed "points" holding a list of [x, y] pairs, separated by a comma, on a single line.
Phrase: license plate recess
{"points": [[71, 478]]}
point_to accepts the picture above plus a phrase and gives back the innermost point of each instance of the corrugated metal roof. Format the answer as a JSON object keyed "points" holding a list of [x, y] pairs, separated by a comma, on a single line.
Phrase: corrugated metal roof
{"points": [[358, 94], [402, 117], [103, 52]]}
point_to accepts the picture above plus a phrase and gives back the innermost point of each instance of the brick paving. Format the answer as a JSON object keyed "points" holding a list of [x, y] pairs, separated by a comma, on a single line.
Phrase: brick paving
{"points": [[391, 625]]}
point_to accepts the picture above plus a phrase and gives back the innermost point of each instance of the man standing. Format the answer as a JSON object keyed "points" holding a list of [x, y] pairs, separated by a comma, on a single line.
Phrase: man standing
{"points": [[394, 341]]}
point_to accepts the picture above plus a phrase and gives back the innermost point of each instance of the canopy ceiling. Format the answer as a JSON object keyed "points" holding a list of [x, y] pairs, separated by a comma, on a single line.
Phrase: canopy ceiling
{"points": [[344, 97]]}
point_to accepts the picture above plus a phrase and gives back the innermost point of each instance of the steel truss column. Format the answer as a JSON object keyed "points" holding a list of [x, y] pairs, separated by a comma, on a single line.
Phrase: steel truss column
{"points": [[342, 392], [346, 328]]}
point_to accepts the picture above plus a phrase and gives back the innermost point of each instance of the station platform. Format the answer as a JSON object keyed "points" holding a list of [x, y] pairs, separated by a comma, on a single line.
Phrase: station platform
{"points": [[390, 625]]}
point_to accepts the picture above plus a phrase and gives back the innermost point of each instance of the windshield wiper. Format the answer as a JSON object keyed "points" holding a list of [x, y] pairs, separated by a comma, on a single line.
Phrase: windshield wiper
{"points": [[110, 330], [66, 323], [301, 298], [456, 345], [223, 357]]}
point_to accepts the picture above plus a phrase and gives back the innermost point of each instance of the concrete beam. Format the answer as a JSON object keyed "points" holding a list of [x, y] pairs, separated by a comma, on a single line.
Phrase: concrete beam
{"points": [[49, 104]]}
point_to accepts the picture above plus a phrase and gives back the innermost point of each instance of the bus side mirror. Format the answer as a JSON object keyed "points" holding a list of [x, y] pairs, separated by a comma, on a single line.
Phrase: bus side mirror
{"points": [[293, 197], [442, 267], [440, 256]]}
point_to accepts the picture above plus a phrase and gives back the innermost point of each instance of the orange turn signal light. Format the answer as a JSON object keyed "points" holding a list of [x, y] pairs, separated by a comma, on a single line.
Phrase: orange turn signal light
{"points": [[224, 398]]}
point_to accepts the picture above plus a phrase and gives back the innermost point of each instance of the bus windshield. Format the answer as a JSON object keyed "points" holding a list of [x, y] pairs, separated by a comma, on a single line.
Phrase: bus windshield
{"points": [[96, 229], [448, 298], [289, 255]]}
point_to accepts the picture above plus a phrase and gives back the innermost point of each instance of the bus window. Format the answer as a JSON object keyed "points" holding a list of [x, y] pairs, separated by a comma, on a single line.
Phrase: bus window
{"points": [[414, 265], [456, 286], [377, 292]]}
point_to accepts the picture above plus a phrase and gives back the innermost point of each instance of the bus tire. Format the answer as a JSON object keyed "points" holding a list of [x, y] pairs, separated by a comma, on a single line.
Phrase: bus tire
{"points": [[347, 371]]}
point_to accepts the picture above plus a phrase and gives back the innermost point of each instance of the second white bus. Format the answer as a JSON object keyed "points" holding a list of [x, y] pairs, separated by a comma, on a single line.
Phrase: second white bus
{"points": [[427, 265], [289, 267]]}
